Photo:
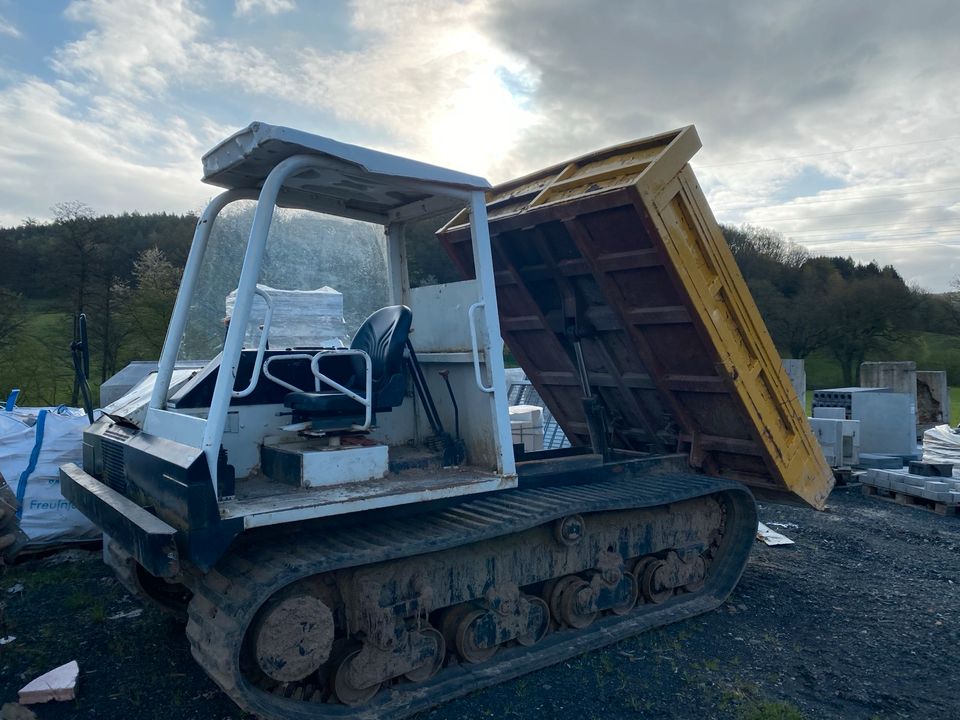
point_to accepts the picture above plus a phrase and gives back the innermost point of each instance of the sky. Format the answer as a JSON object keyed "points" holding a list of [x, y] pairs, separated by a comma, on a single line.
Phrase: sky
{"points": [[832, 122]]}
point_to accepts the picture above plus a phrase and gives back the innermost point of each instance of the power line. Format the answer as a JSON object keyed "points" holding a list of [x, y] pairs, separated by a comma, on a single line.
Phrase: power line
{"points": [[865, 212], [832, 152], [870, 248], [844, 198], [850, 229], [896, 236], [925, 233]]}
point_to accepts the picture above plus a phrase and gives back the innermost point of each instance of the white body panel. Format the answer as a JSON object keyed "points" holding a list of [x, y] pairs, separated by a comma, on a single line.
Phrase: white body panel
{"points": [[344, 466], [306, 504], [440, 321], [179, 427]]}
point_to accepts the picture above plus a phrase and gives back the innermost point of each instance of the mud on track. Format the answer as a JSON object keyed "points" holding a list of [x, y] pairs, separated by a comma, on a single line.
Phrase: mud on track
{"points": [[857, 620]]}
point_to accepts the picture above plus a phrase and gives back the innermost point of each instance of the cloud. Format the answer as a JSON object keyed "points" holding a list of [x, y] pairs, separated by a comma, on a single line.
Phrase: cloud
{"points": [[270, 7], [136, 47], [805, 112], [834, 124], [52, 156], [8, 28], [408, 83], [426, 74]]}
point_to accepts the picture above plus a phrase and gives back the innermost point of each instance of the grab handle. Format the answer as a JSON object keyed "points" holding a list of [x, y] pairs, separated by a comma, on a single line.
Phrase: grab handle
{"points": [[471, 317]]}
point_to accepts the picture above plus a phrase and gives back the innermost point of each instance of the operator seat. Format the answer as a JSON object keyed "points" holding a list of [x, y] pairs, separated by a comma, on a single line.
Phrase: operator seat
{"points": [[383, 337]]}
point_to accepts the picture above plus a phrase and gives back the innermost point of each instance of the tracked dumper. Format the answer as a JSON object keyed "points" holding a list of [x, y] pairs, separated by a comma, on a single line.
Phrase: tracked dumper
{"points": [[338, 551]]}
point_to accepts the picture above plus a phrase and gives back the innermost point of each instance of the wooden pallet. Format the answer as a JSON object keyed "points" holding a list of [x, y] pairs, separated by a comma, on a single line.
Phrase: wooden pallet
{"points": [[901, 498]]}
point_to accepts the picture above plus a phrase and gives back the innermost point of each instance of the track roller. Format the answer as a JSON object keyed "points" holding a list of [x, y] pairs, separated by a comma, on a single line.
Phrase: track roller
{"points": [[348, 689], [434, 662]]}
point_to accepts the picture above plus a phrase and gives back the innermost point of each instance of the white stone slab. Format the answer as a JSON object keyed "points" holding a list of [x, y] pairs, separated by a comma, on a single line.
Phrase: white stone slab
{"points": [[58, 684]]}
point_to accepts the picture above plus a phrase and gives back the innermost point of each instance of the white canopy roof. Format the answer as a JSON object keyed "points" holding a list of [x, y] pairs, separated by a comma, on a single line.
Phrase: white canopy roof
{"points": [[354, 182]]}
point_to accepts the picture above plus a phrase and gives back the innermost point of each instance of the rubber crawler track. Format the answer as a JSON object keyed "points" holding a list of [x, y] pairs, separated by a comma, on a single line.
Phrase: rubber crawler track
{"points": [[227, 598]]}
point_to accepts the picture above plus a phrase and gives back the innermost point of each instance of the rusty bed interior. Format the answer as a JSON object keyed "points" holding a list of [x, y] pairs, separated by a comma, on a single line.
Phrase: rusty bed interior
{"points": [[619, 250]]}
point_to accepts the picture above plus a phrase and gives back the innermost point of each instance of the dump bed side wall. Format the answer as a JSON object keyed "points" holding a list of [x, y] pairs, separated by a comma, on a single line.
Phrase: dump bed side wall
{"points": [[620, 249], [703, 265]]}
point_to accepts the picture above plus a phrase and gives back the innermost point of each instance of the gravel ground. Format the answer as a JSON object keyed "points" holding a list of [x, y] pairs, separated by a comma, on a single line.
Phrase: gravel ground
{"points": [[856, 620]]}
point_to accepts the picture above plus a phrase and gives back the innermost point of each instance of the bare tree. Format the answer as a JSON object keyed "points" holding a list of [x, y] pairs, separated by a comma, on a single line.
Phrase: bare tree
{"points": [[148, 304], [75, 233]]}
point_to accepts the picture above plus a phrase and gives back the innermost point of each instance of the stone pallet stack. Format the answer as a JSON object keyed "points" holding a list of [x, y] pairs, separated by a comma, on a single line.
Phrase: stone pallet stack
{"points": [[924, 484]]}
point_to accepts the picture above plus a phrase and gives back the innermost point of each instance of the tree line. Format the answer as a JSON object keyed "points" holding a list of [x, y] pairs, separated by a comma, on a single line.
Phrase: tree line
{"points": [[851, 311], [123, 271]]}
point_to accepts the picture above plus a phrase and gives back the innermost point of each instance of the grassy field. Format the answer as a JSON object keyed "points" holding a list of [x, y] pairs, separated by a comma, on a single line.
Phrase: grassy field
{"points": [[928, 350], [38, 362]]}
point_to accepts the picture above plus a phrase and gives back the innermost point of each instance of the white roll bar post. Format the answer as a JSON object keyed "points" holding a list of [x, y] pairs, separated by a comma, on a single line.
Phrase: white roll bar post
{"points": [[188, 285], [483, 262], [252, 260]]}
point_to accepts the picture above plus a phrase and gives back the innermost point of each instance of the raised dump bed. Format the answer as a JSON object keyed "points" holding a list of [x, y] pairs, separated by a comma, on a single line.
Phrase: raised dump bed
{"points": [[618, 252]]}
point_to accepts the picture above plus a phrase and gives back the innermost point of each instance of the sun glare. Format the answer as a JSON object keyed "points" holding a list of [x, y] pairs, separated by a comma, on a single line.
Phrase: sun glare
{"points": [[481, 121]]}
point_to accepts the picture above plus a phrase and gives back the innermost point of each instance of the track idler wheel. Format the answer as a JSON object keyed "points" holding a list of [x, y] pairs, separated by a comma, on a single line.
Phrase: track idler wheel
{"points": [[293, 638]]}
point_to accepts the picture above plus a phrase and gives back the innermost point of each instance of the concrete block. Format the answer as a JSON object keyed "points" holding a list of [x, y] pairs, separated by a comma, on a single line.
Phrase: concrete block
{"points": [[829, 434], [879, 481], [830, 413], [899, 377], [798, 378], [954, 498], [931, 469], [935, 496], [58, 684], [914, 480], [887, 423], [875, 460]]}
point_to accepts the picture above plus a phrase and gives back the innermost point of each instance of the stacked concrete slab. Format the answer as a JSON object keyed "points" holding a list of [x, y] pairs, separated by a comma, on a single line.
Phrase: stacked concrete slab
{"points": [[940, 490], [887, 419]]}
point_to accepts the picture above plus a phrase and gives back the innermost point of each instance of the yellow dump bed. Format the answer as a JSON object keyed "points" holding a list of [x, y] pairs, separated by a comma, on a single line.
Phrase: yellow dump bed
{"points": [[618, 249]]}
